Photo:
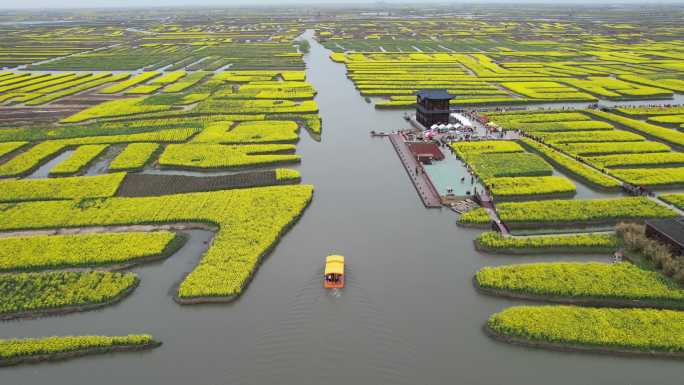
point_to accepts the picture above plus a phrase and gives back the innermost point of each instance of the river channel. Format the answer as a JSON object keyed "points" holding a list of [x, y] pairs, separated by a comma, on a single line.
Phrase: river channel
{"points": [[409, 314]]}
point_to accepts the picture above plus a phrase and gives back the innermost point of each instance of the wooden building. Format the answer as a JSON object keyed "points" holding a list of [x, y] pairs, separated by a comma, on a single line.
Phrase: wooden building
{"points": [[668, 231], [432, 107]]}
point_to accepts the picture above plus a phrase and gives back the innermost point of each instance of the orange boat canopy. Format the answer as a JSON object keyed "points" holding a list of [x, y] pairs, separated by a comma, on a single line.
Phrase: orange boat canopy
{"points": [[334, 264]]}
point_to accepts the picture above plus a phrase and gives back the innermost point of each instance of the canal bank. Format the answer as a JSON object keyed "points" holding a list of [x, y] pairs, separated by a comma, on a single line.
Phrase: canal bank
{"points": [[409, 313]]}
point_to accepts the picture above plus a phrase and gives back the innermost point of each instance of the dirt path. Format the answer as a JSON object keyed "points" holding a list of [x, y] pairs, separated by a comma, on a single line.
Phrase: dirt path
{"points": [[109, 229]]}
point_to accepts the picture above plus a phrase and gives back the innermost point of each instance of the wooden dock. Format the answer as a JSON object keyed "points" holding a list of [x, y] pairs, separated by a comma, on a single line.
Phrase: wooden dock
{"points": [[426, 190]]}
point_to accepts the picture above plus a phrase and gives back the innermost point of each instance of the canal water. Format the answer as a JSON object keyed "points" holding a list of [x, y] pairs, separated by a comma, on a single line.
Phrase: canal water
{"points": [[409, 314]]}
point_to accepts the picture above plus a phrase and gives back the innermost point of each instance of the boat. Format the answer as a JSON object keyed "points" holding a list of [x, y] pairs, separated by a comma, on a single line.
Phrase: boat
{"points": [[333, 277]]}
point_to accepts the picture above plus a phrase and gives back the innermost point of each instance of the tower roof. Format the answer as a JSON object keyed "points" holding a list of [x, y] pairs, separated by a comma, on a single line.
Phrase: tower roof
{"points": [[435, 94]]}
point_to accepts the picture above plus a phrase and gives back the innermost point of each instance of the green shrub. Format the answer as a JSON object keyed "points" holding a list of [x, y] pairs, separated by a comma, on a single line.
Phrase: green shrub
{"points": [[633, 238]]}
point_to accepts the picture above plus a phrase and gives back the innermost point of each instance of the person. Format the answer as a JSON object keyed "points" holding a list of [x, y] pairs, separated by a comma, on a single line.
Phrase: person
{"points": [[617, 257]]}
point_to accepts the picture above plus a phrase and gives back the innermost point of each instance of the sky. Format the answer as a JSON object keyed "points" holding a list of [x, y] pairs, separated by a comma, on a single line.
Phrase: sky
{"points": [[43, 4]]}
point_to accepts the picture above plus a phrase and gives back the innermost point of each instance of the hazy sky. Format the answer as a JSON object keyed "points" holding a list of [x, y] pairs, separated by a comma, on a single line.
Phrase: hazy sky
{"points": [[38, 4]]}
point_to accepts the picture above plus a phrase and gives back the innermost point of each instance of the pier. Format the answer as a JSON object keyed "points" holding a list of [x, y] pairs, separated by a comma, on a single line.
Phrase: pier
{"points": [[426, 190]]}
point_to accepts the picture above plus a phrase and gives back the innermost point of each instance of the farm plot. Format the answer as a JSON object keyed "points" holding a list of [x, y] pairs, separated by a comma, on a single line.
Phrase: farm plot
{"points": [[37, 89], [510, 173], [144, 124], [218, 156], [79, 159], [494, 242], [33, 294], [83, 250], [496, 165], [230, 112], [181, 116], [245, 132], [35, 350], [675, 199], [491, 79], [670, 136], [210, 98], [570, 213], [134, 157], [100, 186], [247, 228], [647, 332], [139, 185], [592, 283], [620, 148]]}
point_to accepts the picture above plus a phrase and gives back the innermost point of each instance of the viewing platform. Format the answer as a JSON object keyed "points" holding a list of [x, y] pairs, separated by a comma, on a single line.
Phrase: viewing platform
{"points": [[426, 190]]}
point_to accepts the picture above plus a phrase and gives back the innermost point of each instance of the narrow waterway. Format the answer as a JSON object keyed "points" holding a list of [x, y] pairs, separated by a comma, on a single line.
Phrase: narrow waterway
{"points": [[409, 314]]}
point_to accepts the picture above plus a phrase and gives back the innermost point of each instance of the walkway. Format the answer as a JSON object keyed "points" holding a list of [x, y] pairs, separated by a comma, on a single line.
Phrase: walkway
{"points": [[487, 203], [426, 190], [661, 202]]}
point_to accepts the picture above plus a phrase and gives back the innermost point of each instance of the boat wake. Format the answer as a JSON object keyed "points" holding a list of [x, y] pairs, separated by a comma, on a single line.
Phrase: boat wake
{"points": [[339, 334]]}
